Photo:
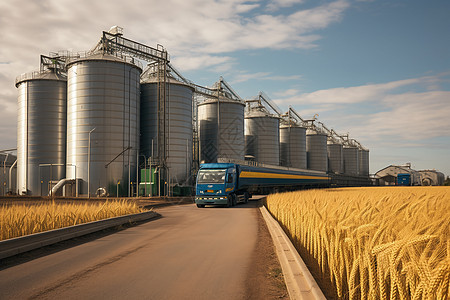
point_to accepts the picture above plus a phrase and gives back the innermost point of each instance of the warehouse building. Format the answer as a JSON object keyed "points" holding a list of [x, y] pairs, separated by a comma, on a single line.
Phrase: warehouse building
{"points": [[405, 175]]}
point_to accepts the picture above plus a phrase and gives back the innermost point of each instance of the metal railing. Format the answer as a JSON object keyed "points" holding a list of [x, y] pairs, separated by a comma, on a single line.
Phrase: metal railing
{"points": [[32, 75], [74, 56]]}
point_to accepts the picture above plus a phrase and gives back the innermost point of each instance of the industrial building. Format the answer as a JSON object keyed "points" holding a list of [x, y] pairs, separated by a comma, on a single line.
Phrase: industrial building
{"points": [[405, 175], [431, 177], [120, 120]]}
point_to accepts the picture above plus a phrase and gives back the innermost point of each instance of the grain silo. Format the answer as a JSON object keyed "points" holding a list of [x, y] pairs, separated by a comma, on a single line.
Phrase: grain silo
{"points": [[293, 146], [221, 129], [316, 148], [103, 108], [335, 157], [41, 131], [363, 162], [178, 117], [351, 160], [262, 135]]}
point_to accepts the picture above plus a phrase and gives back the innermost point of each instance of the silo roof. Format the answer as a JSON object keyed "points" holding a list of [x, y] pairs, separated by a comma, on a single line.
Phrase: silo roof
{"points": [[259, 113], [171, 80], [37, 75], [105, 57]]}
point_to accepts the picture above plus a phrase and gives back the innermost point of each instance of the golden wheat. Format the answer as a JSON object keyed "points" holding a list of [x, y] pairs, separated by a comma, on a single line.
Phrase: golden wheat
{"points": [[372, 243], [19, 220]]}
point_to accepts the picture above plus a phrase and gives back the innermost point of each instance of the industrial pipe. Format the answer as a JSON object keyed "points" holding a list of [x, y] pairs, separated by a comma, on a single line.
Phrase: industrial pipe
{"points": [[10, 170]]}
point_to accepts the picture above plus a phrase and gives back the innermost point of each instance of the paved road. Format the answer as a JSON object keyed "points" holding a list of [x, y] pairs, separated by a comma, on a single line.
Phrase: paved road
{"points": [[189, 253]]}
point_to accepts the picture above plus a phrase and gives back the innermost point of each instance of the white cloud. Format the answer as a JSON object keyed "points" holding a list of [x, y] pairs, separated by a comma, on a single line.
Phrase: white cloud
{"points": [[284, 77], [413, 116], [198, 33], [355, 94], [287, 93], [186, 28], [188, 63], [277, 4], [242, 77], [381, 114], [239, 77]]}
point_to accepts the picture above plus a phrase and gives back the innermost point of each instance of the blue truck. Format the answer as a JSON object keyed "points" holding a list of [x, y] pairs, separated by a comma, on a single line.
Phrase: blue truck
{"points": [[228, 184]]}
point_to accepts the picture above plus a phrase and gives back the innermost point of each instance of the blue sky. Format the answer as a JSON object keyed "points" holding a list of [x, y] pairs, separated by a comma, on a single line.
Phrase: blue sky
{"points": [[379, 70]]}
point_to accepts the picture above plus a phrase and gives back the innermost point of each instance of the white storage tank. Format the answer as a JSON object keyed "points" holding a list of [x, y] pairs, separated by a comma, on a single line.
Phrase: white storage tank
{"points": [[41, 131], [363, 162], [316, 147], [221, 129], [335, 158], [179, 126], [351, 160], [262, 136], [103, 104], [293, 146]]}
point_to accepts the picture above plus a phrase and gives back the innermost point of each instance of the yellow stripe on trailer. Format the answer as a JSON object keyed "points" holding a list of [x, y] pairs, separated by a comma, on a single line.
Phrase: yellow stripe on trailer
{"points": [[246, 174]]}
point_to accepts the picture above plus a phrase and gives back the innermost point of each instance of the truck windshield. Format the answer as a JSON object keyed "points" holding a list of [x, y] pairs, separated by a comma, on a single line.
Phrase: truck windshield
{"points": [[211, 176]]}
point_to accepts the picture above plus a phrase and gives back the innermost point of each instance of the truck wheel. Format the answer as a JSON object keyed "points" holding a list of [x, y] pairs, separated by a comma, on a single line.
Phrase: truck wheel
{"points": [[229, 201], [233, 197], [200, 205]]}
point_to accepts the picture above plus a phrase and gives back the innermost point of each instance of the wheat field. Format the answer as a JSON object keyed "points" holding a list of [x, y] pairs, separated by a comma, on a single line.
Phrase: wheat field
{"points": [[371, 243], [19, 220]]}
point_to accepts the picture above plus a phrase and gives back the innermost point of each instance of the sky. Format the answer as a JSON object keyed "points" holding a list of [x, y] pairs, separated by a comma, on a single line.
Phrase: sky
{"points": [[378, 70]]}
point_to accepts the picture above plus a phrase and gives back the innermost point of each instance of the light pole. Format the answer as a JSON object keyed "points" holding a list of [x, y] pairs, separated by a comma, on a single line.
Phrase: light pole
{"points": [[89, 163]]}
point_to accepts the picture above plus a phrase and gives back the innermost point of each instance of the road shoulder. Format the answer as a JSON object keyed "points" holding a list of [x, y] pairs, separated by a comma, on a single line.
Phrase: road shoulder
{"points": [[265, 278]]}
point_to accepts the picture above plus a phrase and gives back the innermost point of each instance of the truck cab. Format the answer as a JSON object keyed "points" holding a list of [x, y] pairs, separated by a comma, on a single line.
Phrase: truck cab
{"points": [[217, 184]]}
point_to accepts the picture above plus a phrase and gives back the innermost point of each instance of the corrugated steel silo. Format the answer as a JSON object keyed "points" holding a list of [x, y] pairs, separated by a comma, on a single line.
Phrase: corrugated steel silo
{"points": [[293, 146], [179, 120], [316, 148], [41, 131], [262, 136], [221, 129], [103, 93], [335, 158], [351, 160], [363, 162]]}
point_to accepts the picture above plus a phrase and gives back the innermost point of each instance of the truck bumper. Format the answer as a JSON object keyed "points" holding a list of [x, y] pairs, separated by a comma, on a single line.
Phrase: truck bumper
{"points": [[211, 200]]}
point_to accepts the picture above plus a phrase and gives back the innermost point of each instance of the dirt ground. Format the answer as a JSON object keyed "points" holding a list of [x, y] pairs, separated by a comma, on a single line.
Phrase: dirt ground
{"points": [[265, 279]]}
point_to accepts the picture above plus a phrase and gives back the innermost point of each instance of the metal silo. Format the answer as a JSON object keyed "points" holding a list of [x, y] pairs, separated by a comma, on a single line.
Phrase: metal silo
{"points": [[316, 147], [179, 121], [262, 136], [335, 157], [221, 129], [363, 162], [293, 146], [351, 160], [41, 131], [103, 108]]}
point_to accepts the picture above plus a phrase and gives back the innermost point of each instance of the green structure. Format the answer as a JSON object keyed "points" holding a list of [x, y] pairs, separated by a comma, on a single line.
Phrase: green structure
{"points": [[147, 185]]}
